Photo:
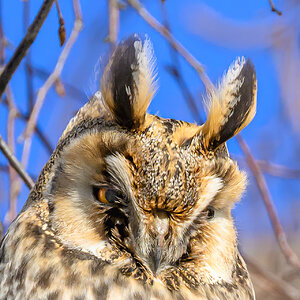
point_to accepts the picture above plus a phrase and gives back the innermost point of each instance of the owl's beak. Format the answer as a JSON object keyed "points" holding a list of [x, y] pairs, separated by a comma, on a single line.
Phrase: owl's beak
{"points": [[161, 228]]}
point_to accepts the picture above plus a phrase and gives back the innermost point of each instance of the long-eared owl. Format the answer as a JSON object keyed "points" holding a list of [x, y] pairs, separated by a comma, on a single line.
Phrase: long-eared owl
{"points": [[131, 205]]}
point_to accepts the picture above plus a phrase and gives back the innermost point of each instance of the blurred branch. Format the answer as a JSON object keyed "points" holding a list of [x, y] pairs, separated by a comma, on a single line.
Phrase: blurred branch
{"points": [[289, 254], [21, 51], [290, 275], [5, 168], [1, 229], [278, 170], [2, 40], [45, 74], [175, 71], [28, 71], [174, 43], [50, 81], [114, 18], [274, 9], [271, 284], [274, 169], [15, 163], [37, 129], [14, 184]]}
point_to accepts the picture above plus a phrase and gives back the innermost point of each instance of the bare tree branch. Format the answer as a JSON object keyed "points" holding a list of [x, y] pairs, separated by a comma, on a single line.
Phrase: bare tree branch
{"points": [[37, 129], [2, 41], [278, 170], [274, 9], [175, 71], [1, 230], [289, 254], [28, 71], [15, 163], [14, 182], [113, 28], [175, 44], [21, 51], [274, 169], [77, 93], [49, 82]]}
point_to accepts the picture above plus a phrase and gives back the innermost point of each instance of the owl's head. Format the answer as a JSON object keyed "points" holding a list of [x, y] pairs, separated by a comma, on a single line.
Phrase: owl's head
{"points": [[159, 190]]}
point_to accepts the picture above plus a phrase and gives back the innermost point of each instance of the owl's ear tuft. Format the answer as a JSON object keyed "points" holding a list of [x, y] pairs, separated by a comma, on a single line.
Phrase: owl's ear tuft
{"points": [[233, 106], [128, 83]]}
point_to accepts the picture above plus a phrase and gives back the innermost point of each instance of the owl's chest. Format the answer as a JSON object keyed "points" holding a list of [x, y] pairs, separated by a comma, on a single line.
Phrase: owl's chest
{"points": [[68, 274], [55, 277]]}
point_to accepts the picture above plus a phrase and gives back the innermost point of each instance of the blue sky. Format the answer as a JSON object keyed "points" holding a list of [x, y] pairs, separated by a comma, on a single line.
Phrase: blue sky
{"points": [[270, 136]]}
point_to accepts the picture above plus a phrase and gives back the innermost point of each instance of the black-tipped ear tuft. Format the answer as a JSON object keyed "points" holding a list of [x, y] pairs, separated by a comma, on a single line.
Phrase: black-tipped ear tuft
{"points": [[234, 105], [128, 83]]}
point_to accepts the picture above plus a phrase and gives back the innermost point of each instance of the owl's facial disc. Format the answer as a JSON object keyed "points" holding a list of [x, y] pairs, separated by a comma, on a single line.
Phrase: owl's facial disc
{"points": [[160, 224]]}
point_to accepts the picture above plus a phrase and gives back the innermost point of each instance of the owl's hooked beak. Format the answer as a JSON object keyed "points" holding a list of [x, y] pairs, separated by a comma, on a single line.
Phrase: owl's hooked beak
{"points": [[161, 227]]}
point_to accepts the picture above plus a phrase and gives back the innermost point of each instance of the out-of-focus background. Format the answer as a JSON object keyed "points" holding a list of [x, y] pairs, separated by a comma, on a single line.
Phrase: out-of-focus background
{"points": [[215, 33]]}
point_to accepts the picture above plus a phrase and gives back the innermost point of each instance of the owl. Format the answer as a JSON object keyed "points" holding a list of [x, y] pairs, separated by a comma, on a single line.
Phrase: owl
{"points": [[131, 205]]}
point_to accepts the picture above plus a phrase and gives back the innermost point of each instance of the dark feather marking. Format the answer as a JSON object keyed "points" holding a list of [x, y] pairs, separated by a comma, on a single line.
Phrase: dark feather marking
{"points": [[16, 242], [72, 279], [70, 257], [22, 269], [49, 245], [53, 295], [34, 230], [2, 252], [96, 266], [101, 291], [81, 297], [123, 65], [136, 296], [43, 279], [169, 127]]}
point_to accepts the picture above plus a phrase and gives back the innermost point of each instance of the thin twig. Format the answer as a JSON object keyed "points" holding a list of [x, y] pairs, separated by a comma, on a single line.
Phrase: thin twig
{"points": [[175, 71], [37, 129], [77, 93], [1, 229], [49, 82], [77, 11], [15, 163], [5, 169], [28, 71], [113, 28], [289, 254], [14, 182], [2, 40], [175, 44], [274, 169], [278, 170], [61, 29], [22, 49], [274, 9]]}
